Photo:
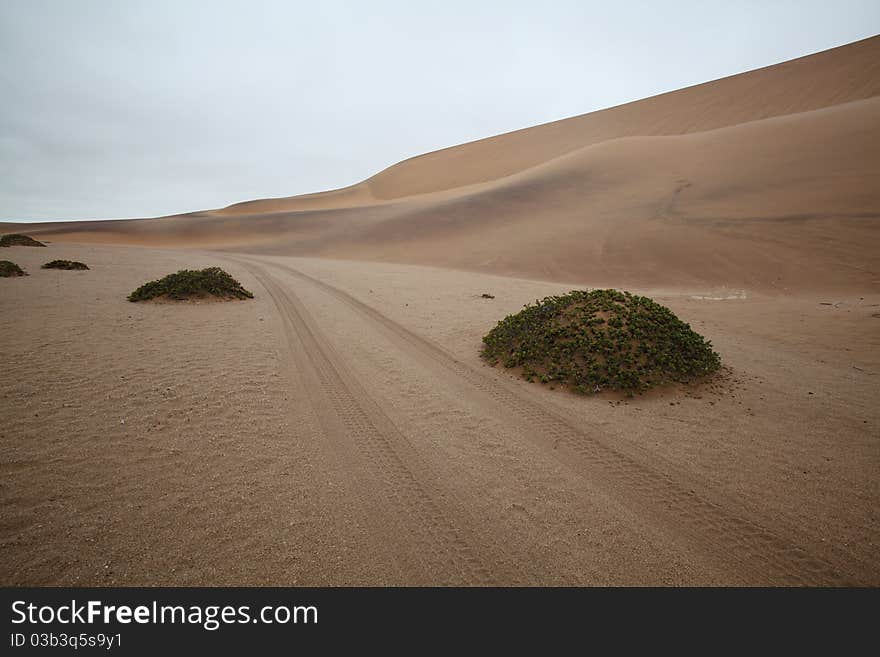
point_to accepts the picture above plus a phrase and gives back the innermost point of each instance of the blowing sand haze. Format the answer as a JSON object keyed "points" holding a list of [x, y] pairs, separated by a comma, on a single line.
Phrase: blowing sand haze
{"points": [[341, 428]]}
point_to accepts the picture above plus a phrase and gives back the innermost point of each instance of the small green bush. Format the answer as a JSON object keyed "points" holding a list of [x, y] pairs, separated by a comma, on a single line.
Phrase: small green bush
{"points": [[9, 269], [65, 264], [14, 239], [600, 339], [192, 284]]}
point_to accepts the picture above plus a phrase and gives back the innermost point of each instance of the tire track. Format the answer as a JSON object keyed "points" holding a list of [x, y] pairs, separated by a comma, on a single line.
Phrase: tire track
{"points": [[754, 548], [411, 498]]}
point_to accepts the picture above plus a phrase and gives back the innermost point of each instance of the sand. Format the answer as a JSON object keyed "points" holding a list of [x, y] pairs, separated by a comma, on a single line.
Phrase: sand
{"points": [[340, 428]]}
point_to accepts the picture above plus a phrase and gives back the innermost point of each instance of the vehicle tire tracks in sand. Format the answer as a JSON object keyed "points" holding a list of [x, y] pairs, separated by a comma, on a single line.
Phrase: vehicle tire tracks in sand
{"points": [[744, 544], [406, 507]]}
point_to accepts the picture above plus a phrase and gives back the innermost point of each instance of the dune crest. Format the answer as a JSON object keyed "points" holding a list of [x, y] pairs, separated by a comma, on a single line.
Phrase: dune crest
{"points": [[765, 180]]}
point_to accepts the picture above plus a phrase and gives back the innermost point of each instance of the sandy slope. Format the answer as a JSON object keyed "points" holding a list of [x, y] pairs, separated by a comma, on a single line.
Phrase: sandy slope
{"points": [[768, 180], [341, 429], [833, 77]]}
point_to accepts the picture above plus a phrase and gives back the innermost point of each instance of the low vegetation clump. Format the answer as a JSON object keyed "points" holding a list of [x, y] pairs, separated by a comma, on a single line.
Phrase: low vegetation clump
{"points": [[65, 264], [600, 339], [14, 239], [9, 269], [192, 284]]}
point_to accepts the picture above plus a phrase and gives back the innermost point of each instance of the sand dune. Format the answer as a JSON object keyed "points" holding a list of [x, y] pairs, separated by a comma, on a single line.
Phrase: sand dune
{"points": [[767, 180], [828, 78]]}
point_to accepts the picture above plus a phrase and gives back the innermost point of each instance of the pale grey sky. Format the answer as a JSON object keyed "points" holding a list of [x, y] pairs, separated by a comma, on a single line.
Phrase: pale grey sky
{"points": [[125, 108]]}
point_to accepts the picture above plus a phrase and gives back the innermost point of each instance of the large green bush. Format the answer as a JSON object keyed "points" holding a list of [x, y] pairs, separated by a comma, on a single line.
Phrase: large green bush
{"points": [[192, 284], [600, 339]]}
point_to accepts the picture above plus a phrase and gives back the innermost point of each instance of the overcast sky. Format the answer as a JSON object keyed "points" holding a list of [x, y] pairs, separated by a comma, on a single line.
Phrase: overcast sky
{"points": [[123, 108]]}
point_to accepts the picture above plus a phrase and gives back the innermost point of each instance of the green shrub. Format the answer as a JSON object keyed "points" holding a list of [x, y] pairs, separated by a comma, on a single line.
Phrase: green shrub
{"points": [[14, 239], [192, 284], [9, 269], [600, 339], [65, 264]]}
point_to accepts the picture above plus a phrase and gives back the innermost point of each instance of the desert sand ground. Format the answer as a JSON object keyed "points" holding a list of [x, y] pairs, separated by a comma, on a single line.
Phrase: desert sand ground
{"points": [[341, 429]]}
